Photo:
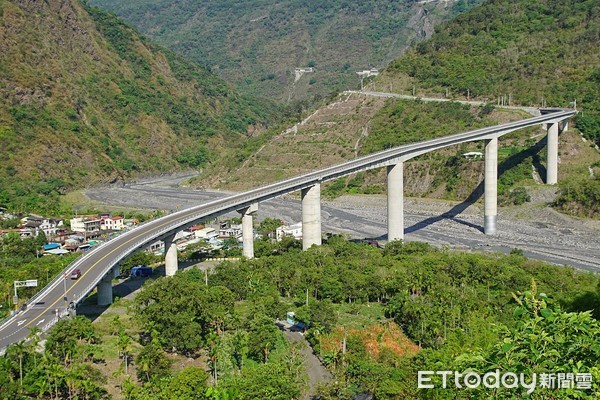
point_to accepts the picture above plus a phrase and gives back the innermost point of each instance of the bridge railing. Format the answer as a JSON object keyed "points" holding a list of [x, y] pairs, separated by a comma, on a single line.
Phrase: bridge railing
{"points": [[231, 203]]}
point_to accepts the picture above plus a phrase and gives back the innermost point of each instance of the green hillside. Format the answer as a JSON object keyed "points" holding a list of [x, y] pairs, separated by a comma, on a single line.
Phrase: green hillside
{"points": [[521, 52], [84, 99], [533, 52], [526, 51], [257, 44]]}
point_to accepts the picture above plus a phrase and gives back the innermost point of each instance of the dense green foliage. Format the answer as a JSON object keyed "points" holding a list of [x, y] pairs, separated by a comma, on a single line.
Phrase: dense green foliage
{"points": [[336, 38], [457, 306], [580, 197], [405, 121], [545, 339], [535, 51], [448, 302], [183, 322], [19, 261], [62, 371], [91, 101]]}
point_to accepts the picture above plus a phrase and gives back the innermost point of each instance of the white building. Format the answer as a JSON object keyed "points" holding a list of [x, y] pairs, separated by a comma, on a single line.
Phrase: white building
{"points": [[234, 231], [294, 230], [112, 223], [36, 224], [206, 233], [86, 226]]}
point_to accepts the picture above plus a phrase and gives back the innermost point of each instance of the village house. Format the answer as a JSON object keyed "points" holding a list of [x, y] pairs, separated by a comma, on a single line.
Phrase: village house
{"points": [[34, 224], [112, 223], [232, 231], [294, 231], [88, 227], [207, 234]]}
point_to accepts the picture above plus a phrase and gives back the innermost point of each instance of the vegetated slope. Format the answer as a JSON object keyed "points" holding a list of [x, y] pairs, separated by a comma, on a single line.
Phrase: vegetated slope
{"points": [[258, 44], [84, 99], [524, 52], [355, 125], [532, 52]]}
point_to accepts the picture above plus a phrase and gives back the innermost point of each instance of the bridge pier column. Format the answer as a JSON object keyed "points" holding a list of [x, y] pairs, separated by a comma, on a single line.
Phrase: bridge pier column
{"points": [[171, 263], [564, 125], [311, 216], [248, 230], [395, 201], [105, 293], [552, 154], [491, 186]]}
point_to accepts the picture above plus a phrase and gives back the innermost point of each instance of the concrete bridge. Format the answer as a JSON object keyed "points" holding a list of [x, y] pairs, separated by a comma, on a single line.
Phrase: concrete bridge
{"points": [[100, 265]]}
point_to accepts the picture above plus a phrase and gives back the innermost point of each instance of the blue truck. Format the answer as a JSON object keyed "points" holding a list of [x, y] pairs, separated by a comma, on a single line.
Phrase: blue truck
{"points": [[141, 270]]}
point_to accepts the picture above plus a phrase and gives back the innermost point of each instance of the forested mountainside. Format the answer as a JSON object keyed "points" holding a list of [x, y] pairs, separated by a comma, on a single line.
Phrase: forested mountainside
{"points": [[84, 99], [258, 44], [541, 53], [531, 52]]}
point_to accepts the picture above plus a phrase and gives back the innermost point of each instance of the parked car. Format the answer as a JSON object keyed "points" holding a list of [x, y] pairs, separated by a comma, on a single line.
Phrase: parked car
{"points": [[76, 274]]}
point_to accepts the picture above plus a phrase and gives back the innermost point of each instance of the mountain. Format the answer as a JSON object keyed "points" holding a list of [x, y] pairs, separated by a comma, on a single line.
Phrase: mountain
{"points": [[257, 44], [530, 52], [85, 99], [524, 50]]}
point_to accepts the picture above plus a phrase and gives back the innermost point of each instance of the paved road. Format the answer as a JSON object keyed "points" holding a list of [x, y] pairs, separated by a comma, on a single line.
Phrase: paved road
{"points": [[531, 110]]}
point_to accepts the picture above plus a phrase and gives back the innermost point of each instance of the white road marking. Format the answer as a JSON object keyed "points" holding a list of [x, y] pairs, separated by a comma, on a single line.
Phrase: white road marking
{"points": [[41, 321], [21, 322]]}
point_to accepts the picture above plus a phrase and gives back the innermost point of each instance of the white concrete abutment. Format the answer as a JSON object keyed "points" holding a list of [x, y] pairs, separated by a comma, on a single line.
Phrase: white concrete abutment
{"points": [[311, 216]]}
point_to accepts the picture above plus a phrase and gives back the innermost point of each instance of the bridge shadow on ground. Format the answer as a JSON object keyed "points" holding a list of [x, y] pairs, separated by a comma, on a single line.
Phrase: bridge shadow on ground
{"points": [[123, 289], [503, 167]]}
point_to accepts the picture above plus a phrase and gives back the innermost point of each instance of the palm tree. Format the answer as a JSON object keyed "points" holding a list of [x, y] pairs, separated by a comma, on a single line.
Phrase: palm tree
{"points": [[34, 339], [213, 342], [124, 344], [19, 349], [55, 373]]}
